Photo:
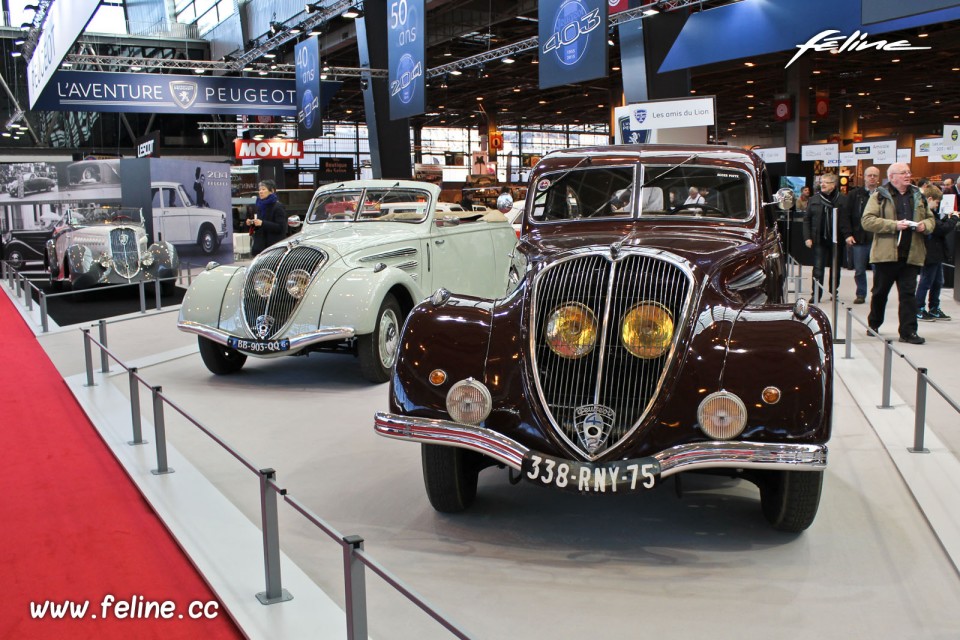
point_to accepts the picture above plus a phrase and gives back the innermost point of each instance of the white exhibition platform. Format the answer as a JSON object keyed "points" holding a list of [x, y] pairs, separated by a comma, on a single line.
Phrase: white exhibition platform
{"points": [[882, 559]]}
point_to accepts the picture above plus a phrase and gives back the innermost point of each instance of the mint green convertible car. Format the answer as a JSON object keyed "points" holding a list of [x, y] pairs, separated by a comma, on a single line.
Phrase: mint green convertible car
{"points": [[369, 252]]}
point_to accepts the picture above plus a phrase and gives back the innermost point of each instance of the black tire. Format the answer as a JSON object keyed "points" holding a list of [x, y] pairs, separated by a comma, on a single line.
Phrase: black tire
{"points": [[220, 359], [207, 240], [450, 477], [790, 499], [15, 258], [378, 350]]}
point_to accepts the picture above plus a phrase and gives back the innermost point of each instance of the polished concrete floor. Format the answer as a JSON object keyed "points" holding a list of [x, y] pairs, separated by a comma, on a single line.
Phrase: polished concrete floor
{"points": [[880, 561]]}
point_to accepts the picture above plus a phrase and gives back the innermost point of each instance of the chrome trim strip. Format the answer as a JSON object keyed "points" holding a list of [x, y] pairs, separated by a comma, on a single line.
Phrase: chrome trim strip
{"points": [[687, 457], [396, 253], [322, 334]]}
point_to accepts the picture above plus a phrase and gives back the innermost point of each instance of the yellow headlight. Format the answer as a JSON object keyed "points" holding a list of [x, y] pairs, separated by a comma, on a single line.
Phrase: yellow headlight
{"points": [[647, 330], [572, 331]]}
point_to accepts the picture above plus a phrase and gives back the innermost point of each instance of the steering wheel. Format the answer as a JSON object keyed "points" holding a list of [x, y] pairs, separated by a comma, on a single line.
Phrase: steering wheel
{"points": [[694, 205], [119, 217]]}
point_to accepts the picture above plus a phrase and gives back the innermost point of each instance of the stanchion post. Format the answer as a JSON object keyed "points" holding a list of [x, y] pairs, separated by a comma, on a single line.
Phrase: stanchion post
{"points": [[88, 356], [104, 358], [849, 340], [28, 294], [160, 432], [271, 541], [355, 589], [887, 372], [135, 407], [143, 298], [44, 323], [156, 293], [920, 413]]}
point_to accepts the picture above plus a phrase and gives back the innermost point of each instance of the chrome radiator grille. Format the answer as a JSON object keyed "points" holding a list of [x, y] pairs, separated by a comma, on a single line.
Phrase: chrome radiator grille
{"points": [[278, 306], [123, 250], [609, 377]]}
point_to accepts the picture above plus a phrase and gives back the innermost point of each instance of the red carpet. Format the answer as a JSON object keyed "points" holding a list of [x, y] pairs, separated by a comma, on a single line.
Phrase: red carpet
{"points": [[73, 528]]}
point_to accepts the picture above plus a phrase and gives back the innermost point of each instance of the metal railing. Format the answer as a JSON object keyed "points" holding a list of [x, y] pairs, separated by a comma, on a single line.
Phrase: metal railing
{"points": [[24, 289], [923, 380], [355, 559]]}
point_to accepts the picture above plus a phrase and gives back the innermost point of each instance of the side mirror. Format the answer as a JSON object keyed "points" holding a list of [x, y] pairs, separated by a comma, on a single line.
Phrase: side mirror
{"points": [[504, 203], [294, 221], [784, 199]]}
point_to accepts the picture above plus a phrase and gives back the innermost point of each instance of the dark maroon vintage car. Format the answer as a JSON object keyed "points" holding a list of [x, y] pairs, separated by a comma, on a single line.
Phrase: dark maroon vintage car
{"points": [[644, 334]]}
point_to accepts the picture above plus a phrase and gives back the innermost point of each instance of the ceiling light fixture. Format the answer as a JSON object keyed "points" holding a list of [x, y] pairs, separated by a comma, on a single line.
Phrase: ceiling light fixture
{"points": [[311, 8], [352, 13], [508, 60], [15, 54], [276, 27], [270, 56]]}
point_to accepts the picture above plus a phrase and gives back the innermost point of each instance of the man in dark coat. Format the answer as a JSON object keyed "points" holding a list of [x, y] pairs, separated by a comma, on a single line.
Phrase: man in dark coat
{"points": [[818, 232], [853, 234]]}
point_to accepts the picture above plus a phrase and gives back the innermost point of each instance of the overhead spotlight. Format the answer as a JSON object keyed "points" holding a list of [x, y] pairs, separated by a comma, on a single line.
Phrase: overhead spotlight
{"points": [[206, 138], [270, 56], [66, 65], [311, 8], [15, 54], [199, 70], [31, 7], [315, 32], [447, 53], [136, 67], [19, 41], [456, 72], [508, 60], [26, 26], [364, 83], [275, 27], [352, 13]]}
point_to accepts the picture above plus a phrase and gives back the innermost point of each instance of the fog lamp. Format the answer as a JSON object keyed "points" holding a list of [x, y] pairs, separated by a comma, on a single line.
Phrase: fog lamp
{"points": [[469, 402], [572, 331], [147, 259], [722, 415], [647, 330], [263, 282], [105, 260], [297, 283]]}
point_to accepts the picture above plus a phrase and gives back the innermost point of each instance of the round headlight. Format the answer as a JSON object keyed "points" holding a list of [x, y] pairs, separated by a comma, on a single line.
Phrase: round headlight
{"points": [[722, 415], [647, 330], [297, 283], [469, 402], [572, 331], [105, 260], [263, 282], [147, 259]]}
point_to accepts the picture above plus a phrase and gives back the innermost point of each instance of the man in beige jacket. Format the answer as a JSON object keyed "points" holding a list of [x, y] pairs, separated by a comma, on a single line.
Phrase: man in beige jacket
{"points": [[898, 217]]}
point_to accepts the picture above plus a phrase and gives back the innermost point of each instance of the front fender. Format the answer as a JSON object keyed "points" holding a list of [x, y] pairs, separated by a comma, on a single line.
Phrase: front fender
{"points": [[207, 295], [355, 298], [453, 337]]}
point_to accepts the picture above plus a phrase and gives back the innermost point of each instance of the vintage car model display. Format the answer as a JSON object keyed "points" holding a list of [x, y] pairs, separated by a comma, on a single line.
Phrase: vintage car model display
{"points": [[370, 250], [105, 245], [638, 340], [176, 219], [30, 183]]}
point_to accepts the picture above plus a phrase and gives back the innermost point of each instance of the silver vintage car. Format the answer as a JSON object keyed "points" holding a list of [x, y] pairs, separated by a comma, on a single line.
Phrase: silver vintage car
{"points": [[370, 251], [105, 245]]}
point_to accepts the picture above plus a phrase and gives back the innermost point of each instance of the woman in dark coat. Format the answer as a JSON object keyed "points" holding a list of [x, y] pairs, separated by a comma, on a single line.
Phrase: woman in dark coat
{"points": [[269, 223]]}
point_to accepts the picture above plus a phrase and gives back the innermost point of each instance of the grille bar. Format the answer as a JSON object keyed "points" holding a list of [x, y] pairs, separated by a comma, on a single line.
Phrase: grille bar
{"points": [[609, 376], [278, 304]]}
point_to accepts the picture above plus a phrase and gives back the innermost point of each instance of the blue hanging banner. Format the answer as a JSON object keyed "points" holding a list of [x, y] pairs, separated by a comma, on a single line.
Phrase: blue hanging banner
{"points": [[156, 93], [307, 56], [573, 41], [406, 40]]}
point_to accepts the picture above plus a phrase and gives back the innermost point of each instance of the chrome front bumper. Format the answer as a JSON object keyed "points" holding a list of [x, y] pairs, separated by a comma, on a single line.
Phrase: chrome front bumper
{"points": [[322, 334], [687, 457]]}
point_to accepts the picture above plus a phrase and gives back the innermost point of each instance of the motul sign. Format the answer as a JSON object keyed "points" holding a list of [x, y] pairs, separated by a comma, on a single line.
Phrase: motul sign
{"points": [[273, 149]]}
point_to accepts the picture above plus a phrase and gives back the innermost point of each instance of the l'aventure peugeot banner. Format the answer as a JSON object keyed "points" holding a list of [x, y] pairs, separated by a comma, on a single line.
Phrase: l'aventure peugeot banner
{"points": [[156, 93]]}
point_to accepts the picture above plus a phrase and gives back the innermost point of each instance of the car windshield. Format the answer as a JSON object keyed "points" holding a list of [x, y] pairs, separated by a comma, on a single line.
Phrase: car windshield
{"points": [[674, 190], [368, 205], [104, 215]]}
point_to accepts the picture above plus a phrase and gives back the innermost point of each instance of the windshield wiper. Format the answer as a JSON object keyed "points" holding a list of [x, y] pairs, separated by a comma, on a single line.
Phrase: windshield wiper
{"points": [[676, 166]]}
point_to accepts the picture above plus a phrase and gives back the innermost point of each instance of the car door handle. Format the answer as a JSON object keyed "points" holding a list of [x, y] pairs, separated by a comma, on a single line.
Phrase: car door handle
{"points": [[441, 241]]}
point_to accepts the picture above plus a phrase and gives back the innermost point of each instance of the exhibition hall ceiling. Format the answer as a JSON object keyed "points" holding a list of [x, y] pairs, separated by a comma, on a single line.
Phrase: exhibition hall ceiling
{"points": [[885, 92]]}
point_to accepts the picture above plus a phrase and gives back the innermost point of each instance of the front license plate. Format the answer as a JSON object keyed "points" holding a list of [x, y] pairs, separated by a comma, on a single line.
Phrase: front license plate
{"points": [[638, 474], [258, 346]]}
